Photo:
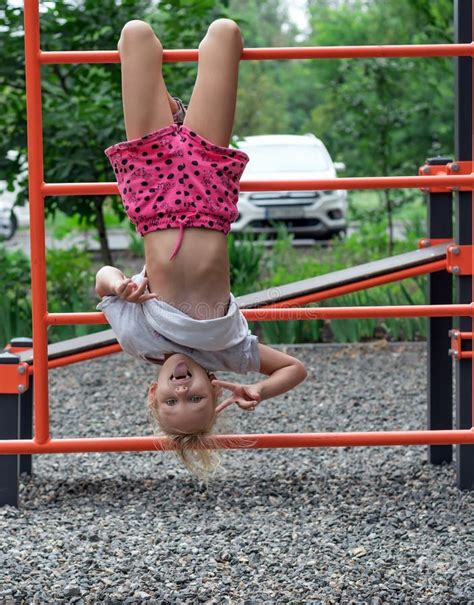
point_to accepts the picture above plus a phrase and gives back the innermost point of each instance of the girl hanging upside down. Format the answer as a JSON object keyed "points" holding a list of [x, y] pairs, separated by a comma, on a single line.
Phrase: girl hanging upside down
{"points": [[179, 182]]}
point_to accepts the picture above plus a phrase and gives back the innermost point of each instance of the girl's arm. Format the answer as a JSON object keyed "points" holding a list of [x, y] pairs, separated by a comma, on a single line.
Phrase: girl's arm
{"points": [[284, 372], [110, 281]]}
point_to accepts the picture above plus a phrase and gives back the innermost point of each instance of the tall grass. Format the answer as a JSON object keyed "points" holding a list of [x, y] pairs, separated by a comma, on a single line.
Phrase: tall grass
{"points": [[246, 254], [69, 289], [285, 264]]}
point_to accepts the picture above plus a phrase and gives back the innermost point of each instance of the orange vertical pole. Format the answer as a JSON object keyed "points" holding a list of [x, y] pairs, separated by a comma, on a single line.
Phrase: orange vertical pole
{"points": [[37, 229]]}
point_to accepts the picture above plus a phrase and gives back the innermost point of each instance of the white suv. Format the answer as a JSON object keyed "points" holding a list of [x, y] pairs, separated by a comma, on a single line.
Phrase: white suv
{"points": [[309, 213], [11, 216]]}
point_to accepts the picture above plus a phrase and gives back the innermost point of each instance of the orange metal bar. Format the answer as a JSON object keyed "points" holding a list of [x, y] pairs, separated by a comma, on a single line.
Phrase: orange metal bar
{"points": [[70, 319], [77, 357], [365, 311], [361, 285], [292, 52], [459, 259], [461, 167], [15, 378], [426, 242], [375, 182], [272, 440], [456, 350], [277, 314], [37, 231], [399, 275]]}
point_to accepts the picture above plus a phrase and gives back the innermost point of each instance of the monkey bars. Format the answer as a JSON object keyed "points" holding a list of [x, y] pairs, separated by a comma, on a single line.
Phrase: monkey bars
{"points": [[15, 375]]}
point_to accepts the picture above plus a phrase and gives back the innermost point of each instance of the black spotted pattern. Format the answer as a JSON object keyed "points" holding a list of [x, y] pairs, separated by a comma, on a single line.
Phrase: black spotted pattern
{"points": [[176, 169]]}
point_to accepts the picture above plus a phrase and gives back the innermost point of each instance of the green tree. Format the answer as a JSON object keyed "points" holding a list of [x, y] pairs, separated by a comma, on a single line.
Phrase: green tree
{"points": [[82, 109], [382, 116], [263, 95]]}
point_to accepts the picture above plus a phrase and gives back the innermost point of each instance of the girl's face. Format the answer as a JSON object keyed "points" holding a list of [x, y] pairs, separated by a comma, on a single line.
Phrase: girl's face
{"points": [[184, 397]]}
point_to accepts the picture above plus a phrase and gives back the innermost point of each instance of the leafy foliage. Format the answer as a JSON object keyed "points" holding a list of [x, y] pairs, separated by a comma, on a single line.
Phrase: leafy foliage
{"points": [[15, 302], [68, 290], [245, 256], [285, 265], [82, 108]]}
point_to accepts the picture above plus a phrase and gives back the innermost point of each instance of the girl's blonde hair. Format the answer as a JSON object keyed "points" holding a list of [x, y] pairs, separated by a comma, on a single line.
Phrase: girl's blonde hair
{"points": [[195, 450]]}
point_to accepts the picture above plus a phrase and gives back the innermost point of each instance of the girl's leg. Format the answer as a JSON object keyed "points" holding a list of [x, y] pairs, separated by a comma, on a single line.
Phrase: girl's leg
{"points": [[211, 109], [147, 105]]}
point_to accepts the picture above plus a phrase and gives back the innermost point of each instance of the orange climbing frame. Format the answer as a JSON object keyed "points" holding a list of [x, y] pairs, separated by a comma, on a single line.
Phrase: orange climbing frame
{"points": [[38, 190]]}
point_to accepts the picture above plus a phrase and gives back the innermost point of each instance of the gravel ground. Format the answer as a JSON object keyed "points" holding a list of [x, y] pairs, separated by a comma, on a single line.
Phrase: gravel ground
{"points": [[335, 525]]}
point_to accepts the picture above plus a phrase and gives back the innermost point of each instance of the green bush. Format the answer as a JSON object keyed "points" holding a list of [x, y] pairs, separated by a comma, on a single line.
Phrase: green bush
{"points": [[136, 245], [68, 290], [245, 257], [15, 302], [61, 225]]}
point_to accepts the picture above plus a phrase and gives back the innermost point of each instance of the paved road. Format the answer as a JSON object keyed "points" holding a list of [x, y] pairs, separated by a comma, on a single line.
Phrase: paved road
{"points": [[119, 239]]}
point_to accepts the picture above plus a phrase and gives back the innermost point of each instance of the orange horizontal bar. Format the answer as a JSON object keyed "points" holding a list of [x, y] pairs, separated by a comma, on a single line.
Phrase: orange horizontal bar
{"points": [[77, 357], [360, 285], [374, 182], [291, 52], [257, 441], [274, 314], [363, 312], [71, 319]]}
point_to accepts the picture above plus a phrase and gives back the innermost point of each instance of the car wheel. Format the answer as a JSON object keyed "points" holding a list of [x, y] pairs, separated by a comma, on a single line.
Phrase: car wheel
{"points": [[8, 227]]}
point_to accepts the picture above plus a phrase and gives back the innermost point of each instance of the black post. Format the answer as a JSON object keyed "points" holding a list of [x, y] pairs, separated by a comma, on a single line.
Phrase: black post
{"points": [[26, 408], [463, 147], [440, 287], [9, 429]]}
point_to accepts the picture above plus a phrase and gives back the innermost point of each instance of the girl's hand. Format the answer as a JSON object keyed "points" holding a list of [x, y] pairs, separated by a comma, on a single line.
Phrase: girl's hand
{"points": [[246, 396], [128, 290]]}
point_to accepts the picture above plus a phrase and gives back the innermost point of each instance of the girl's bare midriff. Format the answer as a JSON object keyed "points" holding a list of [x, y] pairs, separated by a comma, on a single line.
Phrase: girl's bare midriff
{"points": [[197, 280]]}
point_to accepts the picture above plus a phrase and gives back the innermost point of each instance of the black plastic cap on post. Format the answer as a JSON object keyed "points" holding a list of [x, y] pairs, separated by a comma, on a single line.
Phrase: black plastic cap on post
{"points": [[22, 342], [439, 160], [7, 357]]}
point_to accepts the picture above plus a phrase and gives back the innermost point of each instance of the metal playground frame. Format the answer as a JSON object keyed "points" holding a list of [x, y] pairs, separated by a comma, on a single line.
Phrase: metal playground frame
{"points": [[22, 361]]}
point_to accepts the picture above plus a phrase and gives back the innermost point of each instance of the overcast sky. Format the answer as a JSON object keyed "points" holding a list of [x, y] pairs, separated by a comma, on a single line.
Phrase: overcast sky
{"points": [[297, 12]]}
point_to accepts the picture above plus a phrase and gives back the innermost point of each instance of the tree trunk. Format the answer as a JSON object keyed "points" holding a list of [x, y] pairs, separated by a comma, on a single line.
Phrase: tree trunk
{"points": [[389, 208], [102, 232]]}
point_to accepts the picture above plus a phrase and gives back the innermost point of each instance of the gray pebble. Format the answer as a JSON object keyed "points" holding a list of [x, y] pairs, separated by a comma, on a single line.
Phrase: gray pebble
{"points": [[330, 525]]}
